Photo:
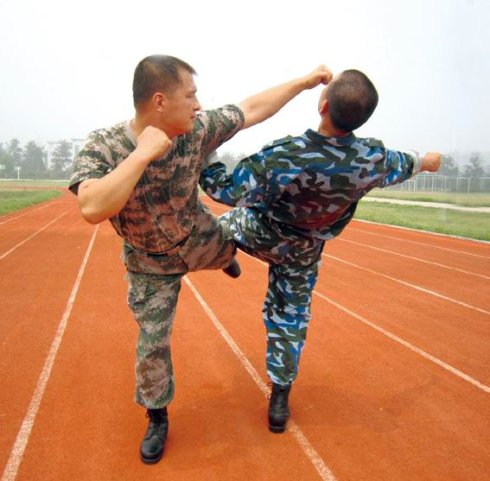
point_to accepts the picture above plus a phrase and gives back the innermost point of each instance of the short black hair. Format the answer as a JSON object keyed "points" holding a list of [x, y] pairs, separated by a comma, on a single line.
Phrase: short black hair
{"points": [[157, 73], [352, 99]]}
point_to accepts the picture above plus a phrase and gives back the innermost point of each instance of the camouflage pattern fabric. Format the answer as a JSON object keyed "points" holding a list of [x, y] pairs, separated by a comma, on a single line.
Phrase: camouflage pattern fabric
{"points": [[307, 184], [293, 270], [286, 314], [291, 197], [153, 300], [205, 248], [161, 212], [167, 232]]}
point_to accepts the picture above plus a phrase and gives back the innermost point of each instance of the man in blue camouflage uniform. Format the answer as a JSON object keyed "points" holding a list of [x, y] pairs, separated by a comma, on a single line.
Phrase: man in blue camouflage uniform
{"points": [[294, 195], [143, 175]]}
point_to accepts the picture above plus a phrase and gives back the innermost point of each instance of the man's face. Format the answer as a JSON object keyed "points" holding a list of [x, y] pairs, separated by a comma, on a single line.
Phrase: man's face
{"points": [[181, 106]]}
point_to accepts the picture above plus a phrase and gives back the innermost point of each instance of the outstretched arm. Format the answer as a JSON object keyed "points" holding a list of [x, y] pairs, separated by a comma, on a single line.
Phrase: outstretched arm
{"points": [[401, 166], [260, 107]]}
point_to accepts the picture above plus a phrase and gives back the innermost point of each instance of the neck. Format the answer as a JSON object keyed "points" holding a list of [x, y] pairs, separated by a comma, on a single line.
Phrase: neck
{"points": [[138, 124], [143, 120], [328, 130]]}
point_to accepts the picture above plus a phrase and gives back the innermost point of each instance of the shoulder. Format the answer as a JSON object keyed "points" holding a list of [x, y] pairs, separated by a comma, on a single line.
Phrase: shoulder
{"points": [[286, 144], [229, 114], [115, 140], [370, 142], [117, 133]]}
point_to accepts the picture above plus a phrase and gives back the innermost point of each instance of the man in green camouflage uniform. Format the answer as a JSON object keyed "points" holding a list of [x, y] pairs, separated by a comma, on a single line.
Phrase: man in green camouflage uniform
{"points": [[143, 175], [291, 197]]}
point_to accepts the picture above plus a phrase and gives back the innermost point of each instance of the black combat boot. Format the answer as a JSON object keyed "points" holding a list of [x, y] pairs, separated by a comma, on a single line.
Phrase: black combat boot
{"points": [[233, 269], [151, 450], [278, 408]]}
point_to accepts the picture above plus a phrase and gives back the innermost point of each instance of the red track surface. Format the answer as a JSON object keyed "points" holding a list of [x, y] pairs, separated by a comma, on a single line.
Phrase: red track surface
{"points": [[394, 380]]}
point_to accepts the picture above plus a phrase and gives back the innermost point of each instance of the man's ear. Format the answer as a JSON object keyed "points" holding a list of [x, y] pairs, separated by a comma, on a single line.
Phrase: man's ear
{"points": [[323, 107], [159, 100]]}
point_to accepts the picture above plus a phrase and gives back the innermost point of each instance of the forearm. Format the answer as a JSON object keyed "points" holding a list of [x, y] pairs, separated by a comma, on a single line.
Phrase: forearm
{"points": [[404, 165], [102, 198], [400, 166], [218, 185], [265, 104], [245, 186], [260, 107]]}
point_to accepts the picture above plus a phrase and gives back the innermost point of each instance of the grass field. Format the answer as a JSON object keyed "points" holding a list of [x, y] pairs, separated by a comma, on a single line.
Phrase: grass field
{"points": [[474, 225], [12, 200], [15, 195]]}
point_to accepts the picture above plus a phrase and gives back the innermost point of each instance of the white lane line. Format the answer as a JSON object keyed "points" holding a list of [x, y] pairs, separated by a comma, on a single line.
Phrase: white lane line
{"points": [[398, 339], [418, 259], [17, 453], [408, 284], [322, 469], [10, 219], [419, 243], [406, 344], [5, 254]]}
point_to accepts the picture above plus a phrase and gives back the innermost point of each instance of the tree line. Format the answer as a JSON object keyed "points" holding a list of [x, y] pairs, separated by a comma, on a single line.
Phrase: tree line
{"points": [[31, 160], [477, 166]]}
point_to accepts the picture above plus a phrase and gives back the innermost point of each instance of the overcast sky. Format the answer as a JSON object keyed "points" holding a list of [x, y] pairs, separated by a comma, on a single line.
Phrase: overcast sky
{"points": [[66, 67]]}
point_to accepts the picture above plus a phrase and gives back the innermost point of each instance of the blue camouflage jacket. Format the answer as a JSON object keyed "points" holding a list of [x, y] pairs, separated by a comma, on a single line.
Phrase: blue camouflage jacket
{"points": [[309, 184]]}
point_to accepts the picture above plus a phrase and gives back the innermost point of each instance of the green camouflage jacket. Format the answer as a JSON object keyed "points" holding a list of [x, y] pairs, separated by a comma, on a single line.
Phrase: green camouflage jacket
{"points": [[161, 211]]}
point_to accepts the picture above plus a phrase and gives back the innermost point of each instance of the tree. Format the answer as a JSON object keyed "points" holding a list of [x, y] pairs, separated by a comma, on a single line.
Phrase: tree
{"points": [[449, 166], [62, 160], [32, 164], [7, 162], [475, 166], [15, 150]]}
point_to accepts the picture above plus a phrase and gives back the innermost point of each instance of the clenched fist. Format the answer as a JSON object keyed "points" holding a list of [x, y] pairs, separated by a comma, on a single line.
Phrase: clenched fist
{"points": [[321, 75], [431, 161], [153, 143]]}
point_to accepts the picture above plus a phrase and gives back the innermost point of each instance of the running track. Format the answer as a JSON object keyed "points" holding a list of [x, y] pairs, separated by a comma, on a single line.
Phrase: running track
{"points": [[394, 380]]}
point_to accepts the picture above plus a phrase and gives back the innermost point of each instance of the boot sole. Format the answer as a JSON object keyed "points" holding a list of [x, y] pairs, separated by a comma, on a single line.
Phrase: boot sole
{"points": [[277, 429], [151, 460]]}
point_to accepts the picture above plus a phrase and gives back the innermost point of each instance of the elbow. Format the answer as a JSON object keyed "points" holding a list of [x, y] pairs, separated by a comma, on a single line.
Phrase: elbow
{"points": [[91, 215], [256, 118]]}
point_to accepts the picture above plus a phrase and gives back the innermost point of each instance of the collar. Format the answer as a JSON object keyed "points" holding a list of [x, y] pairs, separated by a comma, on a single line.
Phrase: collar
{"points": [[314, 136]]}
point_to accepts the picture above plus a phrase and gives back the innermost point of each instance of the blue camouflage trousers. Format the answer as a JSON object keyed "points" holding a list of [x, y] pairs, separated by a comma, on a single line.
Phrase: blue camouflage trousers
{"points": [[293, 261]]}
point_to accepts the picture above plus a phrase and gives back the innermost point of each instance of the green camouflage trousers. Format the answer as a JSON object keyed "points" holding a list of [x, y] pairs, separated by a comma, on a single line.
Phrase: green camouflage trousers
{"points": [[153, 300], [293, 270], [154, 283]]}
